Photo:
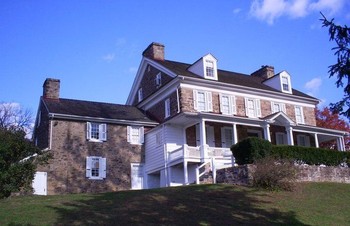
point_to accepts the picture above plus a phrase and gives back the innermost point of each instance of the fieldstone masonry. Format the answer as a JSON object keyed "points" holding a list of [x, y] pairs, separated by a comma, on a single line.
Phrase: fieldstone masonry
{"points": [[242, 175]]}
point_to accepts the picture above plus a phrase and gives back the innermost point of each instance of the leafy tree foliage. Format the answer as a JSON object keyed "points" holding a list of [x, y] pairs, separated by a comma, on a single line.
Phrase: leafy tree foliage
{"points": [[341, 69], [18, 156], [326, 119]]}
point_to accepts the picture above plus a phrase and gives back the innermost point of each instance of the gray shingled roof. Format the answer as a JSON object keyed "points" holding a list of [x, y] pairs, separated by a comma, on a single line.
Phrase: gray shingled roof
{"points": [[227, 77], [95, 109]]}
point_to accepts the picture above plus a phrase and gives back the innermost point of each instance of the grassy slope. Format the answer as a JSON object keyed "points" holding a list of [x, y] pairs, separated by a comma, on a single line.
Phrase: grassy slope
{"points": [[312, 204]]}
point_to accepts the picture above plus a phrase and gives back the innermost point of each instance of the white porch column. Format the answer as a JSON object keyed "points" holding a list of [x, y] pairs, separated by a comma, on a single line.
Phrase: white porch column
{"points": [[316, 140], [267, 132], [340, 144], [290, 139], [185, 173], [203, 139], [234, 133]]}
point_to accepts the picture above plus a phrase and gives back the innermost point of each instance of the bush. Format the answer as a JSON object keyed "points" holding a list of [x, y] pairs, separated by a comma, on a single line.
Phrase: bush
{"points": [[273, 174], [311, 155], [250, 149]]}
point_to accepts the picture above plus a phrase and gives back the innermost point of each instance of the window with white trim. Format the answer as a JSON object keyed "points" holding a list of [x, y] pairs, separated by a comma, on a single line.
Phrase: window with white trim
{"points": [[135, 134], [209, 69], [227, 104], [285, 84], [95, 167], [281, 138], [252, 108], [167, 107], [140, 95], [202, 100], [299, 116], [159, 79], [254, 133], [96, 131], [277, 107], [303, 140]]}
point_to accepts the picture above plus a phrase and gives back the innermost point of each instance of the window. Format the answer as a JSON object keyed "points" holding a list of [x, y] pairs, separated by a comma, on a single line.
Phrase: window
{"points": [[96, 131], [254, 133], [281, 138], [303, 140], [299, 116], [95, 167], [277, 107], [285, 83], [209, 69], [167, 108], [227, 104], [140, 94], [252, 108], [159, 79], [135, 134], [202, 100]]}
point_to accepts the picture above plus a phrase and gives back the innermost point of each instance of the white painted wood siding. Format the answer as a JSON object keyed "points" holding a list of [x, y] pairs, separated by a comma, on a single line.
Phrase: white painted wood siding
{"points": [[154, 153]]}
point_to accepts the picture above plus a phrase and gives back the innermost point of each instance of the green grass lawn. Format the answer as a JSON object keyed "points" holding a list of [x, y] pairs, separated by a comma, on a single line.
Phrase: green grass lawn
{"points": [[310, 204]]}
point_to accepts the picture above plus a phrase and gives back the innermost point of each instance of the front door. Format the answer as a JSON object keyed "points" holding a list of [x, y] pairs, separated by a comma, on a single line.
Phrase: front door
{"points": [[136, 176]]}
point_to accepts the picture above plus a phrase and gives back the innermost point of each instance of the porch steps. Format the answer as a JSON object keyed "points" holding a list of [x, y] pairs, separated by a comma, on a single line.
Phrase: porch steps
{"points": [[207, 178]]}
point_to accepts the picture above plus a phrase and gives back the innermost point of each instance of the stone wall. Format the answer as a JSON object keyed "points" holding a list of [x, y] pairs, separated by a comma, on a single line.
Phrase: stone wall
{"points": [[66, 172], [242, 175]]}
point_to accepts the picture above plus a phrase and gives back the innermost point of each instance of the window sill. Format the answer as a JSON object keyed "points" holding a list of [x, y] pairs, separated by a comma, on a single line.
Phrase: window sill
{"points": [[95, 178], [96, 141]]}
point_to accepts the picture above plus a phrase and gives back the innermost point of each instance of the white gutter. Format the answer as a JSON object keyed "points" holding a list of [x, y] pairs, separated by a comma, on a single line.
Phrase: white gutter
{"points": [[106, 120], [33, 155]]}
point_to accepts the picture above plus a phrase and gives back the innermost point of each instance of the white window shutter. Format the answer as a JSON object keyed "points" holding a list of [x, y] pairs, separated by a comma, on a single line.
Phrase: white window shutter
{"points": [[88, 130], [128, 133], [233, 105], [103, 167], [141, 134], [195, 100], [88, 166], [284, 108], [246, 106], [209, 101], [257, 108], [221, 107], [103, 132]]}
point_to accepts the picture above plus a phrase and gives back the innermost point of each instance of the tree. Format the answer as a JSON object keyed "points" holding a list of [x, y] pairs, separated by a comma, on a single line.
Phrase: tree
{"points": [[18, 156], [326, 119], [341, 69]]}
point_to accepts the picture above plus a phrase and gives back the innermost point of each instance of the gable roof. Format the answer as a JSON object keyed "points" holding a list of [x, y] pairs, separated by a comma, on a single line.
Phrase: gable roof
{"points": [[90, 109], [227, 77]]}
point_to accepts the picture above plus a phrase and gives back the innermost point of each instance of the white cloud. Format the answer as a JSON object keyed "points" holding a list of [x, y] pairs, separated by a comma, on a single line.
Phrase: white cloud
{"points": [[270, 10], [109, 57], [313, 86]]}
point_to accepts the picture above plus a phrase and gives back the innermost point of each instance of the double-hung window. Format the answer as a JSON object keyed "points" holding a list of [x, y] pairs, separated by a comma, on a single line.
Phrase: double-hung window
{"points": [[227, 104], [299, 116], [95, 167], [167, 108], [209, 69], [252, 108], [96, 131], [303, 140], [277, 107], [202, 100], [135, 134]]}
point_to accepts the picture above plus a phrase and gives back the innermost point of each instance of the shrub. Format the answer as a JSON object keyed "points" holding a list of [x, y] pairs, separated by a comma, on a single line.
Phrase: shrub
{"points": [[273, 174], [250, 149], [311, 155]]}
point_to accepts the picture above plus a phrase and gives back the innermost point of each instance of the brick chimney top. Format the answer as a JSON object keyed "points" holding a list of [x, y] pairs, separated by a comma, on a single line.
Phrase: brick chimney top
{"points": [[51, 88], [154, 51], [264, 72]]}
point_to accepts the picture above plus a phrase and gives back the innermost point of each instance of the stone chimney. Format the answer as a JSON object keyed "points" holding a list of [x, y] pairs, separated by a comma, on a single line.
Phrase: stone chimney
{"points": [[154, 51], [51, 88], [264, 72]]}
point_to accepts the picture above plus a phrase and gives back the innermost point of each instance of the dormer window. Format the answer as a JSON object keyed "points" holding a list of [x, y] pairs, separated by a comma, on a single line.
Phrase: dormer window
{"points": [[209, 68], [285, 83]]}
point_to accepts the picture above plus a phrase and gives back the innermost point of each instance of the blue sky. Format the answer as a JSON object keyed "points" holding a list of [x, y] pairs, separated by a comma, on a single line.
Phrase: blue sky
{"points": [[94, 47]]}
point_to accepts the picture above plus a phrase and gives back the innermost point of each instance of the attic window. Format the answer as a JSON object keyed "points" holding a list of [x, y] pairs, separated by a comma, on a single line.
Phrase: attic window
{"points": [[209, 68], [159, 79], [285, 84]]}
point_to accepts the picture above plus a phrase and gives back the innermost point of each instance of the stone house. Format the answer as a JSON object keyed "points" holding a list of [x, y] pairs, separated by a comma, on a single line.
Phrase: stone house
{"points": [[190, 115]]}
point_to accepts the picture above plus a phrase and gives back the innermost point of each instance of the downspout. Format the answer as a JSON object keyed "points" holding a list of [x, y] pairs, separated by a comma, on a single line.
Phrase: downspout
{"points": [[51, 129]]}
